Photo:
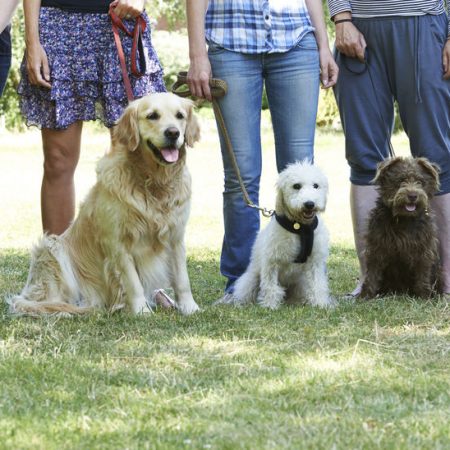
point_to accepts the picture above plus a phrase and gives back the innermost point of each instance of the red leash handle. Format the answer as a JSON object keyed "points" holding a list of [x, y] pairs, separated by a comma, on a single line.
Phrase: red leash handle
{"points": [[137, 47]]}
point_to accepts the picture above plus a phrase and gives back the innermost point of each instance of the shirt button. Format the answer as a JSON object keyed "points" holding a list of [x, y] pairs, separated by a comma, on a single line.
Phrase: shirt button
{"points": [[266, 17]]}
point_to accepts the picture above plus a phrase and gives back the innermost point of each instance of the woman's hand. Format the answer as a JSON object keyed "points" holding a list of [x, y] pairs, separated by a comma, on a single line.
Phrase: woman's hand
{"points": [[198, 77], [200, 68], [446, 60], [37, 66], [350, 41], [128, 9], [38, 70], [328, 68]]}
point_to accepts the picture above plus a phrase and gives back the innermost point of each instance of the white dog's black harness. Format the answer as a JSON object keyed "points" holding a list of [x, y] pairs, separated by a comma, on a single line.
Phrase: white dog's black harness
{"points": [[306, 233]]}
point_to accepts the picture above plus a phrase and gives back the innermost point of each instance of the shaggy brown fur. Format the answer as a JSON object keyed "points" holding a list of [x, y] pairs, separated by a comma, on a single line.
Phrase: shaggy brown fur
{"points": [[128, 237], [402, 247]]}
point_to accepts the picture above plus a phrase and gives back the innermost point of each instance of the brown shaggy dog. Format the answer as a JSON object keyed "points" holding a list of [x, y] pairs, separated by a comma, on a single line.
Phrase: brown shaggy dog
{"points": [[128, 237], [402, 247]]}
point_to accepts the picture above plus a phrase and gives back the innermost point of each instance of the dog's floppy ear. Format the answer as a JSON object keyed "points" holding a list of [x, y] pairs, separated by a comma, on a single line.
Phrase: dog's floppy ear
{"points": [[126, 131], [280, 204], [432, 170], [192, 133], [385, 166]]}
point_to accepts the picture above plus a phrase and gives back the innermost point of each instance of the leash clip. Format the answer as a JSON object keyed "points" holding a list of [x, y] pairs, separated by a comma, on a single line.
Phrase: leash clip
{"points": [[267, 212], [218, 90], [264, 211]]}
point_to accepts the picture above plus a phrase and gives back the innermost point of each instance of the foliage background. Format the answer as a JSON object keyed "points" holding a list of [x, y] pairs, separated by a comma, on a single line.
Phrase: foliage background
{"points": [[9, 104]]}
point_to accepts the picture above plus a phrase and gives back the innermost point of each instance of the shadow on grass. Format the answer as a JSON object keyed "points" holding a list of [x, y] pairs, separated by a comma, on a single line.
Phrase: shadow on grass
{"points": [[224, 322], [227, 377]]}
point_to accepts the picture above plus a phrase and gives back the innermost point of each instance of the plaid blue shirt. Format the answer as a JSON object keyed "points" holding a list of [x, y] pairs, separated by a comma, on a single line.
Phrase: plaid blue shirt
{"points": [[257, 26]]}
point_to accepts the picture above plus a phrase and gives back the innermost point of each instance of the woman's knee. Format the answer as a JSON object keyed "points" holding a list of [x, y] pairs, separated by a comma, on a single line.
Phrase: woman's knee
{"points": [[60, 161], [61, 151]]}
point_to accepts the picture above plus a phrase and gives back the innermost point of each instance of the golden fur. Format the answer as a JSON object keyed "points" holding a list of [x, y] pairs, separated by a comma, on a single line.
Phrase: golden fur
{"points": [[128, 238]]}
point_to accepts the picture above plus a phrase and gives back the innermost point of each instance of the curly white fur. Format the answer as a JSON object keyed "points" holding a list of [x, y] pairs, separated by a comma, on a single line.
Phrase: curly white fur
{"points": [[272, 275]]}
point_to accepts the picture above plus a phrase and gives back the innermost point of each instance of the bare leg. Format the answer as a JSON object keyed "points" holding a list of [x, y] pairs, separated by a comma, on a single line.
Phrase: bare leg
{"points": [[61, 154], [441, 207], [362, 201]]}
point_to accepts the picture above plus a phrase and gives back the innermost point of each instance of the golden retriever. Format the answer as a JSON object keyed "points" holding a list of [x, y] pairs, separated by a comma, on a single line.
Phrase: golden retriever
{"points": [[128, 238]]}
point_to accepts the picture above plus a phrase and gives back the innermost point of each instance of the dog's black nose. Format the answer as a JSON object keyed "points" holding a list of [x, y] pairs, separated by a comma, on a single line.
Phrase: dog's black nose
{"points": [[172, 133], [412, 197], [309, 205]]}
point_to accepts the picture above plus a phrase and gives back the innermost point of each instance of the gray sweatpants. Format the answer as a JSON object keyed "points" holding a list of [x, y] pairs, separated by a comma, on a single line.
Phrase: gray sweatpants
{"points": [[404, 63]]}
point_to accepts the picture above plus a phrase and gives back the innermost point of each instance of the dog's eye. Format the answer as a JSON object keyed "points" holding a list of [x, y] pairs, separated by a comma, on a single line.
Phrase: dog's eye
{"points": [[315, 186], [297, 186], [179, 115], [153, 116]]}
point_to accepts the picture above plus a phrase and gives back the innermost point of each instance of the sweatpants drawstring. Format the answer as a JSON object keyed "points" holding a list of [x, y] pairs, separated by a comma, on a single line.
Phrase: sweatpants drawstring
{"points": [[418, 98]]}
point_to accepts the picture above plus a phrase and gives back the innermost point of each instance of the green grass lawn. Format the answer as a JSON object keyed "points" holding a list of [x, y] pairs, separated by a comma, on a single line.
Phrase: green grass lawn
{"points": [[364, 375]]}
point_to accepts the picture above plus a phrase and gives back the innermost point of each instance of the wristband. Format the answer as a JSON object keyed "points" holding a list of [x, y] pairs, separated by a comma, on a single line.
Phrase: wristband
{"points": [[342, 20]]}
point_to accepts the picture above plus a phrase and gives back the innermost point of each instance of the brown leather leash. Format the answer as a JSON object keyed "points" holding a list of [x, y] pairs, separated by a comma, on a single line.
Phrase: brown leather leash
{"points": [[219, 89], [137, 48]]}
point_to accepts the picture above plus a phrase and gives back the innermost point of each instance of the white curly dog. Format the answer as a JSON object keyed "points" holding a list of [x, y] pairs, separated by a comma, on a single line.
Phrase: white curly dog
{"points": [[288, 261]]}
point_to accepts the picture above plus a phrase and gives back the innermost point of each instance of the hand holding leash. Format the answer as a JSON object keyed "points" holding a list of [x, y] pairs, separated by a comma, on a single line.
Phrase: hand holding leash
{"points": [[219, 89], [128, 9], [198, 76], [136, 50]]}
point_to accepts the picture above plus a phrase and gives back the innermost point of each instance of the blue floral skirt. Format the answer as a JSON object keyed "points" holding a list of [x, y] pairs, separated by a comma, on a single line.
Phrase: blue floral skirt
{"points": [[84, 71]]}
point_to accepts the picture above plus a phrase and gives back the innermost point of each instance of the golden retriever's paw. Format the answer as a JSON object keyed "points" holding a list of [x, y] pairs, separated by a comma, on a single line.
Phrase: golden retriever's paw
{"points": [[187, 308], [139, 306]]}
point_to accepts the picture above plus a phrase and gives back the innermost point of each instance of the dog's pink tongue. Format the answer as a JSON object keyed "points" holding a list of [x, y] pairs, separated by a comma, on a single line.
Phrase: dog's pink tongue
{"points": [[170, 154], [410, 208]]}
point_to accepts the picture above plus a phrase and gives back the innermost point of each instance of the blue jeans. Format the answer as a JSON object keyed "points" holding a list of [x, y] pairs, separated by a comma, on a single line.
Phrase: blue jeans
{"points": [[5, 56], [292, 85]]}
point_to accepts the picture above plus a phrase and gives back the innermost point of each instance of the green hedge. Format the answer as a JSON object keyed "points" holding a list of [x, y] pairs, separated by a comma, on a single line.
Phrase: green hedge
{"points": [[9, 102]]}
